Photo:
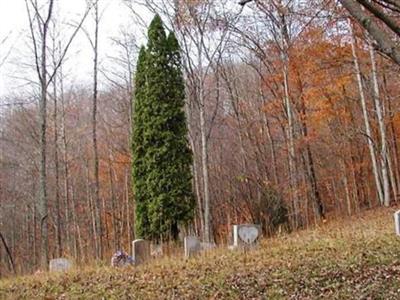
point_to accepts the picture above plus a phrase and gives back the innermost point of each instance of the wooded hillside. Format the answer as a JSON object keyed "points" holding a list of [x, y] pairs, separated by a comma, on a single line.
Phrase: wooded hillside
{"points": [[292, 110]]}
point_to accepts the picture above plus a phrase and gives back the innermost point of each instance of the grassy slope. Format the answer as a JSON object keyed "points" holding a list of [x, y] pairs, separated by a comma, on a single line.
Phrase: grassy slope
{"points": [[353, 259]]}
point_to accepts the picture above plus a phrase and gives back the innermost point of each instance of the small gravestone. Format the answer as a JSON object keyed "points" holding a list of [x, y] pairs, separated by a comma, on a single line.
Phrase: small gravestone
{"points": [[397, 222], [192, 246], [246, 235], [140, 251], [60, 265]]}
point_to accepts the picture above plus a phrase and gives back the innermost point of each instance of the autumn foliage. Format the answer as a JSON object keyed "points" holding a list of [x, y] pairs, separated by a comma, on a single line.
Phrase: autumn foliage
{"points": [[275, 122]]}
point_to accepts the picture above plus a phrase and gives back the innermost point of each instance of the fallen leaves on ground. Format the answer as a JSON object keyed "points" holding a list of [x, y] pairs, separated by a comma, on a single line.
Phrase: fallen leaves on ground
{"points": [[354, 259]]}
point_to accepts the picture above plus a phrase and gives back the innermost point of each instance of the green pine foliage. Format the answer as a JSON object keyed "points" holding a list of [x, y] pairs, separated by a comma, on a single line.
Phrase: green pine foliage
{"points": [[161, 156], [138, 165]]}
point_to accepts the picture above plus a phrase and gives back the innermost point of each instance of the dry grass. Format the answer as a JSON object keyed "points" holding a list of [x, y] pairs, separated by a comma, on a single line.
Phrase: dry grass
{"points": [[348, 259]]}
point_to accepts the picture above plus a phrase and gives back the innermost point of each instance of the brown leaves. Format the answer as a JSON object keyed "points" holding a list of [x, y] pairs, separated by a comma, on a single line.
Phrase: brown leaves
{"points": [[356, 259]]}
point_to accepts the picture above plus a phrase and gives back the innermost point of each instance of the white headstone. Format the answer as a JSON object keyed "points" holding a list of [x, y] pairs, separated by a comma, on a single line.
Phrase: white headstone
{"points": [[60, 265], [397, 222], [235, 235], [192, 246], [246, 235], [140, 251]]}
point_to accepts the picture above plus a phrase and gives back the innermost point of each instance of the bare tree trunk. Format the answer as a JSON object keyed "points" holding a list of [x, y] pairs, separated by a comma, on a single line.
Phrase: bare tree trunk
{"points": [[272, 150], [91, 208], [97, 201], [198, 193], [384, 155], [43, 201], [76, 241], [196, 177], [267, 130], [346, 188], [29, 240], [290, 125], [204, 147], [11, 260], [114, 220], [128, 213], [310, 169], [386, 44], [319, 208], [39, 29], [34, 246], [392, 178], [67, 225], [394, 148], [204, 163], [356, 190], [365, 114], [56, 161]]}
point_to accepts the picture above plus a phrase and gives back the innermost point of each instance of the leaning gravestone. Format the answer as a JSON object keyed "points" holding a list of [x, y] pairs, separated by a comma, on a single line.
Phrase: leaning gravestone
{"points": [[192, 246], [140, 251], [246, 235], [60, 265], [397, 222]]}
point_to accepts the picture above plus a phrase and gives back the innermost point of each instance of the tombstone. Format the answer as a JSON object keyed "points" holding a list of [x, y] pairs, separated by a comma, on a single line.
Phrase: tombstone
{"points": [[60, 265], [192, 246], [397, 222], [246, 235], [140, 251]]}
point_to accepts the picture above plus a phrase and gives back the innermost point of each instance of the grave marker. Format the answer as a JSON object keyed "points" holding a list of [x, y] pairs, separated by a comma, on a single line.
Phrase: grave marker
{"points": [[192, 246], [246, 235], [60, 265], [397, 222], [140, 251]]}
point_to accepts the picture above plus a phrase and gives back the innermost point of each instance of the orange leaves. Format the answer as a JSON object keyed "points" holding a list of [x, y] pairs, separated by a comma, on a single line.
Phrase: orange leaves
{"points": [[396, 120], [318, 76]]}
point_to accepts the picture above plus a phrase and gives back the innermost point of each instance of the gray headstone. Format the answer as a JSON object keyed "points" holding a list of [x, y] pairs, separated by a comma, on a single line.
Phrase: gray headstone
{"points": [[246, 235], [397, 222], [60, 265], [140, 251], [192, 246]]}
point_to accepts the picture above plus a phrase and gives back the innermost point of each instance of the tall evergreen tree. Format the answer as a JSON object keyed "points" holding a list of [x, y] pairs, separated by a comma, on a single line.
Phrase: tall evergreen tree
{"points": [[162, 166], [138, 166]]}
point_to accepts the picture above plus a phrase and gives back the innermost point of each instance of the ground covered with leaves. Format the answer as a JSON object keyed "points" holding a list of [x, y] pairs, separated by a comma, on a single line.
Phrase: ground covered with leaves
{"points": [[357, 258]]}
